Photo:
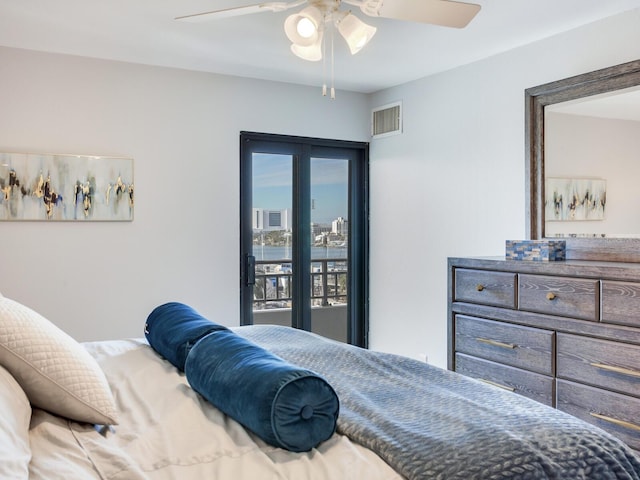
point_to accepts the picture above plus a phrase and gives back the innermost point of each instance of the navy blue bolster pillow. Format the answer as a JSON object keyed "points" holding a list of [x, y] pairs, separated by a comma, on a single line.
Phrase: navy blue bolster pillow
{"points": [[286, 406], [173, 328]]}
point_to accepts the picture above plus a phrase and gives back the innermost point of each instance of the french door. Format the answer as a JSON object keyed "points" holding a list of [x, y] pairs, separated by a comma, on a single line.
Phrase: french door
{"points": [[304, 234]]}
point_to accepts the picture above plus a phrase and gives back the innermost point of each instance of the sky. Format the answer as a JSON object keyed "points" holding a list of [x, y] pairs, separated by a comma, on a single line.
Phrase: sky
{"points": [[272, 185]]}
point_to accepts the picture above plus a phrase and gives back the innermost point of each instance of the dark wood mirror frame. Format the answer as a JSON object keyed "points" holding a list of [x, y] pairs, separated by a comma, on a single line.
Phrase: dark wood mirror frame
{"points": [[536, 99]]}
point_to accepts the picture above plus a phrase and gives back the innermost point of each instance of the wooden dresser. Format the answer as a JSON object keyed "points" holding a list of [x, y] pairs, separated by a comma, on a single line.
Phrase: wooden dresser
{"points": [[566, 334]]}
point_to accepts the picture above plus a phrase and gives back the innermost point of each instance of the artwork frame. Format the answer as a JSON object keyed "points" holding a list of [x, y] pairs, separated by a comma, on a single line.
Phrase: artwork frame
{"points": [[575, 199], [62, 187]]}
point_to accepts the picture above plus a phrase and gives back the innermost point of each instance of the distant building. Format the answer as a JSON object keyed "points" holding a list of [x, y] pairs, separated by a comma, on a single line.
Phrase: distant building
{"points": [[340, 226], [319, 229], [271, 220]]}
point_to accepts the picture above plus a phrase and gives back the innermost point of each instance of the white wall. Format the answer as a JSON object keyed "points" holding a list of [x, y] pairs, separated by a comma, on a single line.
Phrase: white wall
{"points": [[453, 183], [101, 280]]}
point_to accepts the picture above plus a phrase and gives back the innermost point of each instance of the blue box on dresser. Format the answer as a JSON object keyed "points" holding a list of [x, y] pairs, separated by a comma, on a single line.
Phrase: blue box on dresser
{"points": [[536, 250]]}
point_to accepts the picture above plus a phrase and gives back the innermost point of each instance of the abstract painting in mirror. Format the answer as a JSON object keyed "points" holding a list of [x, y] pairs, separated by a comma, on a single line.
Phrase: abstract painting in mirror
{"points": [[574, 199]]}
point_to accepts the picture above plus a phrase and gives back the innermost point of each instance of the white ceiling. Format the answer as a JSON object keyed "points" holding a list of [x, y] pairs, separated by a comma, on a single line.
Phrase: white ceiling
{"points": [[620, 105], [144, 31]]}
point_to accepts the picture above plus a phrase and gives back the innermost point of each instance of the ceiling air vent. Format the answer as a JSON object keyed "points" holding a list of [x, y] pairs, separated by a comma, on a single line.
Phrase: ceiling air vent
{"points": [[386, 120]]}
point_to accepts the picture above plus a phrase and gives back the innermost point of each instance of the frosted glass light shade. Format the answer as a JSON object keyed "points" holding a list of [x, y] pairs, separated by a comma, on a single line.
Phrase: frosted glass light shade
{"points": [[303, 28], [312, 53], [355, 32]]}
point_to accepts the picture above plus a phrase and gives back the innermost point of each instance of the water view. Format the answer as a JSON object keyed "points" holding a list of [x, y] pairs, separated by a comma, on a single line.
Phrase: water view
{"points": [[280, 252]]}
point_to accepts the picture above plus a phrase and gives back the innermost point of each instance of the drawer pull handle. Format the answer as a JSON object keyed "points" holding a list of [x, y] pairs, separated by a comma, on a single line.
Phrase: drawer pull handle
{"points": [[551, 296], [615, 421], [499, 385], [479, 287], [496, 343], [611, 368]]}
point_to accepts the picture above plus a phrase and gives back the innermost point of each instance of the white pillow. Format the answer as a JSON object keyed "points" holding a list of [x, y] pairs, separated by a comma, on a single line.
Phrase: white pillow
{"points": [[55, 371], [15, 453]]}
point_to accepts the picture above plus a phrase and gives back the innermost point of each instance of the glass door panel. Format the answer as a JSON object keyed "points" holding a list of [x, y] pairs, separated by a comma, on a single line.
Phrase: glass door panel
{"points": [[329, 189], [304, 235], [272, 242]]}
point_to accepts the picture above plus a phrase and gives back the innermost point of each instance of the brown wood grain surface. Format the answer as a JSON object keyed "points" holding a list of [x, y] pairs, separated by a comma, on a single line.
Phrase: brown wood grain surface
{"points": [[570, 338]]}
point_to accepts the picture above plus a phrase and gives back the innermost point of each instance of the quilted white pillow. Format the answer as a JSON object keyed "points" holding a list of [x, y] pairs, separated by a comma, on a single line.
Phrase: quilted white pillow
{"points": [[15, 453], [55, 371]]}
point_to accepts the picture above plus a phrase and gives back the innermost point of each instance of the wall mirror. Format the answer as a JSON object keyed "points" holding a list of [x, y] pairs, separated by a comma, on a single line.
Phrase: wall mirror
{"points": [[564, 121]]}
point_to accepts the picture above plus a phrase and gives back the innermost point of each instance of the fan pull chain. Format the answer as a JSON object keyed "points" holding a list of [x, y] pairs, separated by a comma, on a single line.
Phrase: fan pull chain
{"points": [[324, 66], [333, 90]]}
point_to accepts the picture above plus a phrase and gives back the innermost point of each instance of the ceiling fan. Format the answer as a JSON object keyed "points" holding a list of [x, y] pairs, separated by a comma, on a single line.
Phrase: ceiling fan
{"points": [[306, 28]]}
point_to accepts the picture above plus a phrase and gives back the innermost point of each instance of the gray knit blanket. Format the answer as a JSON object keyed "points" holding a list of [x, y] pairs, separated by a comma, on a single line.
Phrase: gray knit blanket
{"points": [[430, 423]]}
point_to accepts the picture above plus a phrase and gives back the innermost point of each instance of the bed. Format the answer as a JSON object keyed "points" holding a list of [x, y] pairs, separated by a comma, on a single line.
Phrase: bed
{"points": [[120, 410]]}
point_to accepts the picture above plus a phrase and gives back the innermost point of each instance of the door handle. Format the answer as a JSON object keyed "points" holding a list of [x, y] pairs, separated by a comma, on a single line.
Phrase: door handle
{"points": [[250, 270]]}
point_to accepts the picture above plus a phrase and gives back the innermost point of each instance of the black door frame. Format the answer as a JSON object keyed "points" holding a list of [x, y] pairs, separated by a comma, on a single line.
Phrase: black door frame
{"points": [[358, 247]]}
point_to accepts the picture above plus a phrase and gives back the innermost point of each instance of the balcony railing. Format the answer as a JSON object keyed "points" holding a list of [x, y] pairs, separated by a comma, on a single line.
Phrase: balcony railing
{"points": [[273, 283]]}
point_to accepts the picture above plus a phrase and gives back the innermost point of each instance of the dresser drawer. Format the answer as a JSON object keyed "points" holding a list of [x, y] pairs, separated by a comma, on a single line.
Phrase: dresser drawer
{"points": [[602, 363], [565, 296], [621, 303], [485, 287], [533, 385], [616, 413], [515, 345]]}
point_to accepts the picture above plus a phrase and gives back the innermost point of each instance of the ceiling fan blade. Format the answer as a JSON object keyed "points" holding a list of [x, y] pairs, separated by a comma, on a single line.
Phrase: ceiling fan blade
{"points": [[437, 12], [237, 11]]}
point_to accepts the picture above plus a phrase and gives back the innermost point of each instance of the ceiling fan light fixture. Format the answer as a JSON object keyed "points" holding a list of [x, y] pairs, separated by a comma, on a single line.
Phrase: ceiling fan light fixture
{"points": [[312, 53], [306, 28], [356, 33], [303, 28]]}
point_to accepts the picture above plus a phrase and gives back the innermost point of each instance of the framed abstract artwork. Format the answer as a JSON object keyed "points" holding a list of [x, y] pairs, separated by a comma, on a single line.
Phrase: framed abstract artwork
{"points": [[51, 187], [570, 199]]}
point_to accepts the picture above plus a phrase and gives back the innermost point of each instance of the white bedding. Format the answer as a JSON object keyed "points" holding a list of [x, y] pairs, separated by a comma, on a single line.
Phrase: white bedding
{"points": [[167, 431]]}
